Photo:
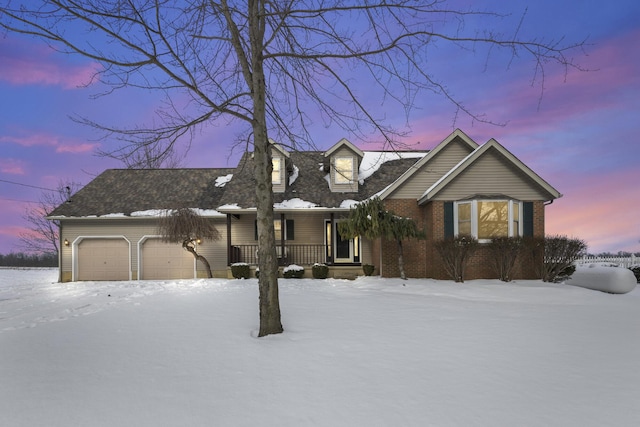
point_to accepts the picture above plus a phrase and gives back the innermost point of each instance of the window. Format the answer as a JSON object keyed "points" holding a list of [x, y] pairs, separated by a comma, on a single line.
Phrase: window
{"points": [[344, 170], [275, 174], [277, 227], [486, 219]]}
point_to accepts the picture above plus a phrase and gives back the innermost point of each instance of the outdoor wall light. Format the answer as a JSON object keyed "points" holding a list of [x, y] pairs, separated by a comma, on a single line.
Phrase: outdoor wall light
{"points": [[198, 241], [66, 242]]}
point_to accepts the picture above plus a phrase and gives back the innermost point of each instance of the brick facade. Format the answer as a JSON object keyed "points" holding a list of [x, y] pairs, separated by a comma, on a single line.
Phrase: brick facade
{"points": [[420, 257]]}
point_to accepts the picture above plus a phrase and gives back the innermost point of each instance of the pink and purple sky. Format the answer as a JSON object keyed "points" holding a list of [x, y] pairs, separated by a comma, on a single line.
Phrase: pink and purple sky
{"points": [[581, 136]]}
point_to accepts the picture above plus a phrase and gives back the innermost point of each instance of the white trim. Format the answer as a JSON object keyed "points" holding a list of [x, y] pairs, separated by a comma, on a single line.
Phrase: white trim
{"points": [[431, 154], [471, 158], [474, 216], [336, 173], [346, 143], [74, 252]]}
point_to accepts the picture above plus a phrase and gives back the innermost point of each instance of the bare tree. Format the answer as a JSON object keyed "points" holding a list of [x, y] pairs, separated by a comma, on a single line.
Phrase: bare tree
{"points": [[275, 66], [186, 227], [43, 236]]}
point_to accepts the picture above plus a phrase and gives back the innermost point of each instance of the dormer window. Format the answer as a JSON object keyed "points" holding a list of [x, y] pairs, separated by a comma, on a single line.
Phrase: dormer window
{"points": [[344, 170], [276, 175]]}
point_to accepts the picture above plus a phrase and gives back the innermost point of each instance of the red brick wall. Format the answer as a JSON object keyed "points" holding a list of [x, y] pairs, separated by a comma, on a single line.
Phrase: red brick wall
{"points": [[422, 260], [413, 249]]}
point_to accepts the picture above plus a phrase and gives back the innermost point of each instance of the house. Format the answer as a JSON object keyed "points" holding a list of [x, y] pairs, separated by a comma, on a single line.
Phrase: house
{"points": [[109, 227]]}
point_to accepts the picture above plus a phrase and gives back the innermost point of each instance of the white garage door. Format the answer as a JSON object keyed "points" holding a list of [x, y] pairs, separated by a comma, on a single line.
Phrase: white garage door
{"points": [[103, 259], [165, 261]]}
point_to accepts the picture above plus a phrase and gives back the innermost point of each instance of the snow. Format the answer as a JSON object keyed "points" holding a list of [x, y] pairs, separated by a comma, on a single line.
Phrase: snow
{"points": [[615, 280], [368, 352], [372, 160], [293, 267], [221, 181], [294, 175], [295, 203]]}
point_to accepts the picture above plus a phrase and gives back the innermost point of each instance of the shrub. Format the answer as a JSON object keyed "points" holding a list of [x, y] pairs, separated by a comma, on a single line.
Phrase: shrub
{"points": [[455, 253], [554, 254], [293, 271], [636, 272], [368, 269], [565, 274], [504, 251], [319, 271], [240, 270]]}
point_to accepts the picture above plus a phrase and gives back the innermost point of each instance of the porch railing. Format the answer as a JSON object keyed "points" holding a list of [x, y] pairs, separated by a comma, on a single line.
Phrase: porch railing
{"points": [[293, 254]]}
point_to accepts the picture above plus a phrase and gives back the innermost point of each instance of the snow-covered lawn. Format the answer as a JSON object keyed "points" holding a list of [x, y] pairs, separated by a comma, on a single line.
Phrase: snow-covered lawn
{"points": [[369, 352]]}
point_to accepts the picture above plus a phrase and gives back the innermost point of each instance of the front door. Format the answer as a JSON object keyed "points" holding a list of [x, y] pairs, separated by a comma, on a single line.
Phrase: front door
{"points": [[343, 251]]}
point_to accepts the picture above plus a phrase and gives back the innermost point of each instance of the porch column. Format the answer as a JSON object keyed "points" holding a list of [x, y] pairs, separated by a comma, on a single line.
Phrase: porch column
{"points": [[228, 239], [282, 231], [333, 239]]}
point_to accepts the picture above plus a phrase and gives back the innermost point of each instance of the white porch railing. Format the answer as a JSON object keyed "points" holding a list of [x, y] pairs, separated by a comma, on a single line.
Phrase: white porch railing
{"points": [[622, 261]]}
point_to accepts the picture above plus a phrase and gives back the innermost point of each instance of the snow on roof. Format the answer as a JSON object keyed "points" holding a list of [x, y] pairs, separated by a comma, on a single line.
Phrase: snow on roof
{"points": [[372, 160], [295, 203], [221, 181], [294, 175]]}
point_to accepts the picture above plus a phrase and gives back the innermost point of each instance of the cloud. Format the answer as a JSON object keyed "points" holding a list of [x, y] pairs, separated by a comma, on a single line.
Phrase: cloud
{"points": [[43, 139], [77, 148], [26, 63], [12, 167]]}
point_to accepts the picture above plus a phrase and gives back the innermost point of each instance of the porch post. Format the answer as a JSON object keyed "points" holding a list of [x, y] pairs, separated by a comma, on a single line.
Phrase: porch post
{"points": [[228, 239], [282, 231], [333, 239]]}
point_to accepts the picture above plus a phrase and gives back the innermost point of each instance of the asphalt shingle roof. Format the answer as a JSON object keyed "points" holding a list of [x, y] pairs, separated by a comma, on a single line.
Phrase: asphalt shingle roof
{"points": [[123, 191], [132, 190]]}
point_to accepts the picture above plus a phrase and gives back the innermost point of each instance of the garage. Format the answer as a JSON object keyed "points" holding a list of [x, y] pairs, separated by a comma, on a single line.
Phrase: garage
{"points": [[103, 259], [161, 261]]}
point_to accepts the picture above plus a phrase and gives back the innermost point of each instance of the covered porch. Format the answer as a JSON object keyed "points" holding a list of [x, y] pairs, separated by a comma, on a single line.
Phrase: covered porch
{"points": [[301, 238]]}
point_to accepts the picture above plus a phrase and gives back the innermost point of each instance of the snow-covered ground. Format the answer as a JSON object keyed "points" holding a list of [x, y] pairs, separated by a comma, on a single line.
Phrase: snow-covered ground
{"points": [[369, 352]]}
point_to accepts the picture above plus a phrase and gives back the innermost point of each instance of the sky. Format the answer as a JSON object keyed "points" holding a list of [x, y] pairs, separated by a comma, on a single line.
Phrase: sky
{"points": [[578, 133]]}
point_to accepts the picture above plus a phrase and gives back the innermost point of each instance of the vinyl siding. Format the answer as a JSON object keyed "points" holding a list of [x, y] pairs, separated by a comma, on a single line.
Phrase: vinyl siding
{"points": [[432, 171], [134, 230], [491, 174]]}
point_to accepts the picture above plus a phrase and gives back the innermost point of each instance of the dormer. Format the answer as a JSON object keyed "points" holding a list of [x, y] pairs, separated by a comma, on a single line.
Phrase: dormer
{"points": [[342, 162], [280, 159]]}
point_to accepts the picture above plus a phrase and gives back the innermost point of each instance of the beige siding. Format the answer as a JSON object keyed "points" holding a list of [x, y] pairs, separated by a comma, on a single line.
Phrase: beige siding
{"points": [[491, 174], [432, 171], [135, 231]]}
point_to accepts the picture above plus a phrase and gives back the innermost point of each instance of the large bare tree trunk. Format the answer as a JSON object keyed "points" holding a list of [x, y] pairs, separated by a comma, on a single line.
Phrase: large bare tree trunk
{"points": [[270, 322]]}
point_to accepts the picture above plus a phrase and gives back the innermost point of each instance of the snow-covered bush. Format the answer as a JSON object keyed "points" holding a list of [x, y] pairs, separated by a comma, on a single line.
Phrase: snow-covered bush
{"points": [[636, 271], [293, 271], [240, 270], [319, 271]]}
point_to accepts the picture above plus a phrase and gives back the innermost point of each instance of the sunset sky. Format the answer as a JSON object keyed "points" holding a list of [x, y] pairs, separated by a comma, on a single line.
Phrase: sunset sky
{"points": [[580, 136]]}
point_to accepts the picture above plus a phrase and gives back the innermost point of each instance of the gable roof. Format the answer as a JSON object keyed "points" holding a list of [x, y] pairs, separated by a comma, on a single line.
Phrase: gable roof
{"points": [[127, 191], [279, 148], [344, 143], [475, 155], [455, 135]]}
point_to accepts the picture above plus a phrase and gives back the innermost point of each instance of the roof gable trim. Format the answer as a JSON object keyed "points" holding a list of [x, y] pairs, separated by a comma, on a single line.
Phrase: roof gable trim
{"points": [[431, 154], [475, 155]]}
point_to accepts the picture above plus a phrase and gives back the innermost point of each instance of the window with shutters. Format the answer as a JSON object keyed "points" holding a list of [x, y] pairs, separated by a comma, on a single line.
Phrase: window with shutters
{"points": [[487, 219]]}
